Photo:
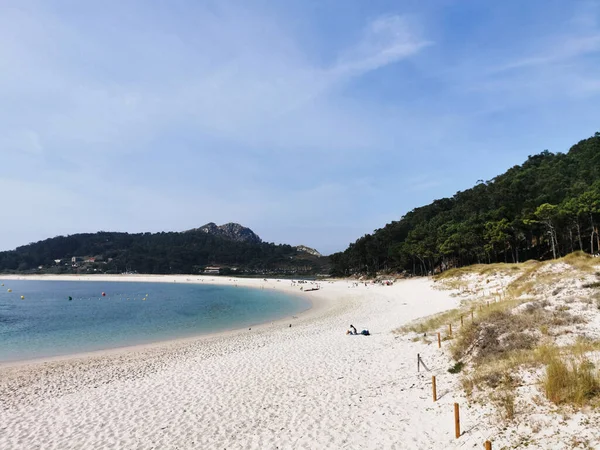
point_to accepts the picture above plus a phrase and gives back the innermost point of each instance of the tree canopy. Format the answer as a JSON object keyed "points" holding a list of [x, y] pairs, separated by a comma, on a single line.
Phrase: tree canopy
{"points": [[544, 208], [157, 253]]}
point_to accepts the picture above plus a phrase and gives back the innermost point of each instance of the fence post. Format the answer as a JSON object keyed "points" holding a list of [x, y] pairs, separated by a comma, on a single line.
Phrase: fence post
{"points": [[433, 385], [461, 321], [418, 362], [456, 421], [450, 329], [472, 319], [439, 341], [488, 445]]}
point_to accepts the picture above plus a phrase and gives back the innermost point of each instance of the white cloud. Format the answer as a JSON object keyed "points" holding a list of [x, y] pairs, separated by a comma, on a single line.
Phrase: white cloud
{"points": [[242, 80], [385, 40]]}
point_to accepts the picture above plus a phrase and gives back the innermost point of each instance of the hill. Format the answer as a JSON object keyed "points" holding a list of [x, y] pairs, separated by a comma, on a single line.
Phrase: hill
{"points": [[546, 207], [233, 231], [230, 247]]}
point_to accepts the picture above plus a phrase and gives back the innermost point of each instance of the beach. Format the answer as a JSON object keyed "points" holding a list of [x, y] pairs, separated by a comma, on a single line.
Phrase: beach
{"points": [[272, 386]]}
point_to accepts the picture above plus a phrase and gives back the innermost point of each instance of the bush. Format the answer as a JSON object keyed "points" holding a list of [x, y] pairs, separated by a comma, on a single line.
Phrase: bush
{"points": [[456, 368]]}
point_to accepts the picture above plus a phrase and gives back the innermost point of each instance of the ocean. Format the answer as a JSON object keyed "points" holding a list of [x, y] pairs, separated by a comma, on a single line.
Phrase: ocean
{"points": [[46, 323]]}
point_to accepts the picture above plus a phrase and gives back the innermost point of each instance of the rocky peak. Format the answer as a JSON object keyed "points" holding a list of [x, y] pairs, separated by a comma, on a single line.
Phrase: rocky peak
{"points": [[305, 249], [233, 231]]}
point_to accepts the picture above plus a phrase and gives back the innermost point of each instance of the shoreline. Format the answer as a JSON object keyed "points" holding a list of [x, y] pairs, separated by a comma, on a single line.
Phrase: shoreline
{"points": [[255, 283], [308, 386]]}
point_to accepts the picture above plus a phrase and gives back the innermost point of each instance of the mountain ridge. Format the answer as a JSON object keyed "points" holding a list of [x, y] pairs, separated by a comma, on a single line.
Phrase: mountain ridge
{"points": [[231, 246], [230, 230]]}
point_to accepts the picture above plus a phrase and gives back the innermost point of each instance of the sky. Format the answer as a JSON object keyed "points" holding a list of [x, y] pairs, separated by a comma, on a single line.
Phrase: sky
{"points": [[311, 122]]}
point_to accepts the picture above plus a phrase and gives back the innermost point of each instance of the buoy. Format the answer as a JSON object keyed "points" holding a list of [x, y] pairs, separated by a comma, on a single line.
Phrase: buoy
{"points": [[10, 290], [70, 298], [22, 297], [104, 294], [144, 299]]}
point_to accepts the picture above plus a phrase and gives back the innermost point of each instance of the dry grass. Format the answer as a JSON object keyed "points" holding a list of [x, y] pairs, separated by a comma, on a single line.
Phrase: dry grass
{"points": [[502, 340], [480, 269], [434, 322], [505, 402], [497, 331], [574, 381], [581, 261]]}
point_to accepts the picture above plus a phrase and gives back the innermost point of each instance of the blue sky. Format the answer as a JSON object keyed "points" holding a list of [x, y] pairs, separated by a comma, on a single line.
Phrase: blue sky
{"points": [[311, 122]]}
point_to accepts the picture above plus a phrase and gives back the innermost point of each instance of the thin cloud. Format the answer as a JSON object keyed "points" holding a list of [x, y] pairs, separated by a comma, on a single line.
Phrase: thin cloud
{"points": [[569, 48]]}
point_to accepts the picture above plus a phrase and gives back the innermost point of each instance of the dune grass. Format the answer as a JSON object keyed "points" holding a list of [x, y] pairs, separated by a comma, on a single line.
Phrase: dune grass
{"points": [[480, 269], [571, 381], [502, 339]]}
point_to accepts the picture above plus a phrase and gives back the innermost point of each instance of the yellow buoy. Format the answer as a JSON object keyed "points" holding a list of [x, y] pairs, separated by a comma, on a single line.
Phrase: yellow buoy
{"points": [[22, 297], [144, 299], [10, 290]]}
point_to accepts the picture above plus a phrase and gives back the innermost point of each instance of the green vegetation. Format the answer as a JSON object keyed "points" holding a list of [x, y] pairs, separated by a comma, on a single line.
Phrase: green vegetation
{"points": [[547, 207], [456, 368], [158, 253]]}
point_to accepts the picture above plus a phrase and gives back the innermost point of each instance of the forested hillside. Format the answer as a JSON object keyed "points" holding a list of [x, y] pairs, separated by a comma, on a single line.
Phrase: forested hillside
{"points": [[157, 253], [544, 208]]}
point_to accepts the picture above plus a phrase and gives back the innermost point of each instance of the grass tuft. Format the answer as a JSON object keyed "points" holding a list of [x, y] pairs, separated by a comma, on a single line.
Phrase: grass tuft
{"points": [[571, 382]]}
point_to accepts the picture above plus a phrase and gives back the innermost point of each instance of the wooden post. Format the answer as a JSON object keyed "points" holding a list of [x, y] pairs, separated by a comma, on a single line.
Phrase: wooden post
{"points": [[472, 319], [418, 362], [488, 304], [450, 329], [456, 421], [488, 445], [439, 341], [434, 387], [461, 321]]}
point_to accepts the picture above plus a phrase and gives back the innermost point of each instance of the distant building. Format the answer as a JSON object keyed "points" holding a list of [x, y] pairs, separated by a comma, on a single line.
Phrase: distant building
{"points": [[57, 261], [212, 270]]}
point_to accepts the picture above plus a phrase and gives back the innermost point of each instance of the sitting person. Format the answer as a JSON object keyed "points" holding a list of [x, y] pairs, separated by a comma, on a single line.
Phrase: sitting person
{"points": [[353, 329]]}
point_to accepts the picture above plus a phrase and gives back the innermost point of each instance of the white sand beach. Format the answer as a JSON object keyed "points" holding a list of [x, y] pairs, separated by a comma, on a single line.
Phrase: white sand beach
{"points": [[309, 386]]}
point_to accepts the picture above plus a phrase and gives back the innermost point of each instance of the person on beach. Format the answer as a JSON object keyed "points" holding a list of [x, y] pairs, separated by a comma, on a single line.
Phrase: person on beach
{"points": [[353, 329]]}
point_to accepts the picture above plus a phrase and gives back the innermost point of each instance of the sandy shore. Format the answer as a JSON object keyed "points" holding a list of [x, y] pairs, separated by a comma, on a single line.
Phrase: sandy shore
{"points": [[308, 386]]}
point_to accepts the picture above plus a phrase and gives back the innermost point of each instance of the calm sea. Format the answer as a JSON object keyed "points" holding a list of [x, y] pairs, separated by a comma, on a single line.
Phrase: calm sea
{"points": [[46, 323]]}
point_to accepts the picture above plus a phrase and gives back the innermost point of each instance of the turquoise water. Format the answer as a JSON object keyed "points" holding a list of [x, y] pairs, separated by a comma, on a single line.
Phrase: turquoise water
{"points": [[46, 323]]}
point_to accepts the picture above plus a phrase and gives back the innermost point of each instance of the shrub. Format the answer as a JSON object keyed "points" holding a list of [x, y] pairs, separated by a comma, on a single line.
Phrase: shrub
{"points": [[456, 367]]}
